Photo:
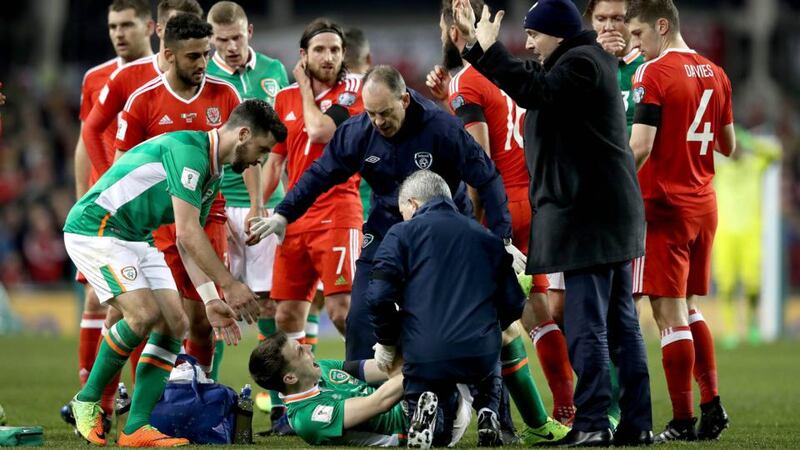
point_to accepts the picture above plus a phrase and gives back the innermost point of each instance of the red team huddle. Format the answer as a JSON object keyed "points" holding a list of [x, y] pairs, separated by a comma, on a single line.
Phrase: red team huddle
{"points": [[683, 114]]}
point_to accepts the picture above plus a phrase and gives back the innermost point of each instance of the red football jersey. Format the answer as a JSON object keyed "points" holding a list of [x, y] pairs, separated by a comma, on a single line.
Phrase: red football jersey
{"points": [[341, 206], [503, 117], [154, 109], [93, 81], [694, 95], [120, 86]]}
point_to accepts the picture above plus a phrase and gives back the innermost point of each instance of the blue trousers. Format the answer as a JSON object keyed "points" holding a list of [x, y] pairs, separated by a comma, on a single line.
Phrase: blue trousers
{"points": [[600, 322]]}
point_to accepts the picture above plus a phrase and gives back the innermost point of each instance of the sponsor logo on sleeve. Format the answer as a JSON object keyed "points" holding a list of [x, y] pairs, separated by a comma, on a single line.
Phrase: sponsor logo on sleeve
{"points": [[322, 413], [638, 94], [457, 102], [346, 99], [122, 128], [189, 178]]}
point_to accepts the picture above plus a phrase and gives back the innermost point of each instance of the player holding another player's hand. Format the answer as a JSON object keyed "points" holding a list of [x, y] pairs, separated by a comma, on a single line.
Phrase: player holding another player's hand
{"points": [[261, 227]]}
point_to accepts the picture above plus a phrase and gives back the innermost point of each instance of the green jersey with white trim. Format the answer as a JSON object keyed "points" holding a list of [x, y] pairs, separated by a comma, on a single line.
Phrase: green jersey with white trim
{"points": [[262, 77], [134, 197], [317, 415], [627, 67]]}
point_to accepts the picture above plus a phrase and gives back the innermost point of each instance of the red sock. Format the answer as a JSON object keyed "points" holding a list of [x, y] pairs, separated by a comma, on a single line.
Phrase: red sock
{"points": [[203, 352], [677, 356], [551, 347], [705, 364], [134, 359], [90, 334], [107, 400]]}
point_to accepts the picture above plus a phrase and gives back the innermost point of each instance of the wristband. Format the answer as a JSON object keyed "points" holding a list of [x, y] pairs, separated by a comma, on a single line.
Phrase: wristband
{"points": [[207, 292]]}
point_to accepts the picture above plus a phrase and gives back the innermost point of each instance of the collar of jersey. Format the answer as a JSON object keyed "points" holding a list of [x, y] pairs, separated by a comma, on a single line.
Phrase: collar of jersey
{"points": [[677, 50], [291, 398], [213, 151], [633, 54], [251, 62]]}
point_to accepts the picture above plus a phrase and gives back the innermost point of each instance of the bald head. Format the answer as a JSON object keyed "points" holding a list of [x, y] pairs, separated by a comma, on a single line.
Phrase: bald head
{"points": [[385, 99]]}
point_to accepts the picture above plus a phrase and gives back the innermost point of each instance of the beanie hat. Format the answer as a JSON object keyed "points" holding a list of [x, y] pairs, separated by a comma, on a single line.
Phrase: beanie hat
{"points": [[559, 18]]}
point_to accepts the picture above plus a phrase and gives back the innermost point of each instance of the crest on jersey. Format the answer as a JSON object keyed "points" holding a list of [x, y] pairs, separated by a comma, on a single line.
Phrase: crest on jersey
{"points": [[638, 94], [270, 87], [346, 98], [338, 376], [325, 104], [457, 102], [213, 117], [368, 238], [423, 160], [129, 273]]}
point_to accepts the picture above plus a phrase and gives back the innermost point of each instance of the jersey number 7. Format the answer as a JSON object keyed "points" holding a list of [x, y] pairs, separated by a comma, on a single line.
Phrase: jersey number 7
{"points": [[706, 136]]}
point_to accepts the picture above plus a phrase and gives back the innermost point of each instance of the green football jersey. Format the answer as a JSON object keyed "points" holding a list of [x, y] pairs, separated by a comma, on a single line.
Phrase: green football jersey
{"points": [[262, 77], [134, 197], [317, 415], [627, 67]]}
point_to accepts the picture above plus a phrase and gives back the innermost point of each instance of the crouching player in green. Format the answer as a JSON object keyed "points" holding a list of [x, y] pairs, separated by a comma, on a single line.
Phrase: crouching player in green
{"points": [[334, 402], [170, 178]]}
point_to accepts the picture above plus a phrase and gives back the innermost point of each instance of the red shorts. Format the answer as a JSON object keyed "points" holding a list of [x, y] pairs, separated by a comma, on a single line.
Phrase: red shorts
{"points": [[305, 258], [520, 208], [80, 278], [164, 238], [677, 257]]}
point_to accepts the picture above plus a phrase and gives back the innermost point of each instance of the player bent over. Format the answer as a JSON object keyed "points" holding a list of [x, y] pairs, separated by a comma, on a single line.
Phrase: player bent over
{"points": [[170, 178]]}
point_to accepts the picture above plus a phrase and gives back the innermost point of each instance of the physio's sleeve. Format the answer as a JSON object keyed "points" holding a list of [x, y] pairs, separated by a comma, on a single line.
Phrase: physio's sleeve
{"points": [[385, 287]]}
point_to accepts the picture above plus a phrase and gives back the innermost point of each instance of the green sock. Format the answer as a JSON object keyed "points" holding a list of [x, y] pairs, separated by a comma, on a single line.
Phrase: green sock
{"points": [[114, 351], [266, 327], [312, 329], [152, 374], [613, 407], [219, 351], [519, 381]]}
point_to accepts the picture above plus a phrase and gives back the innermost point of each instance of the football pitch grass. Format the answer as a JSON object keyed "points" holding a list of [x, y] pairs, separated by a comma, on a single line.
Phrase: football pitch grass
{"points": [[758, 384]]}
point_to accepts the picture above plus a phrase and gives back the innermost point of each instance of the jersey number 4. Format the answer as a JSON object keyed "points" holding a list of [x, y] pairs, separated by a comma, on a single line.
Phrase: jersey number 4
{"points": [[706, 136]]}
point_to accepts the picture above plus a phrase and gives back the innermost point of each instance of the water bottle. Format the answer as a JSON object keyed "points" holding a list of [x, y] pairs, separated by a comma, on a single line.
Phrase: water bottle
{"points": [[243, 427], [121, 406]]}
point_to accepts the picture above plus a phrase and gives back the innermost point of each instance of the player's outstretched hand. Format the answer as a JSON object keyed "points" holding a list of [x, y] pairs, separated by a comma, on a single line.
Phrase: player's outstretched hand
{"points": [[251, 213], [520, 260], [384, 356], [438, 83], [485, 32], [261, 227], [223, 320], [464, 19], [243, 301]]}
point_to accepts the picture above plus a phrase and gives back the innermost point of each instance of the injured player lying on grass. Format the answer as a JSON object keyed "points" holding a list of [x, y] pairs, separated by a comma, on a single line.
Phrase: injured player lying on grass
{"points": [[333, 402]]}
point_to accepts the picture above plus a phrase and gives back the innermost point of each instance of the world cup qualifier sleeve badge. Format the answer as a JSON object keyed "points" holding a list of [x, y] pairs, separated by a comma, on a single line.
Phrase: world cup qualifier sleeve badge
{"points": [[213, 117]]}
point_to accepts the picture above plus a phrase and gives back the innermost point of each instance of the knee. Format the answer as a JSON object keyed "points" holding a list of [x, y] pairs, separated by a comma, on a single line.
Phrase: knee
{"points": [[180, 325], [338, 307], [266, 308], [142, 321], [288, 319]]}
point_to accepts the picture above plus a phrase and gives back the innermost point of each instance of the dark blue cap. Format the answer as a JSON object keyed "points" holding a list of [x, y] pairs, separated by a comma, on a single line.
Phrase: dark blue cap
{"points": [[559, 18]]}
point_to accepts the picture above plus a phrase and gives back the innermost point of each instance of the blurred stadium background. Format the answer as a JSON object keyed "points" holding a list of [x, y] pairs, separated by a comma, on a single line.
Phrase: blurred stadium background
{"points": [[47, 45]]}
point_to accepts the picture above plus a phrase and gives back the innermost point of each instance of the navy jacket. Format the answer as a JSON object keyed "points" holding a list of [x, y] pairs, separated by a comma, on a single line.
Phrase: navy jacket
{"points": [[453, 282], [429, 139], [587, 207]]}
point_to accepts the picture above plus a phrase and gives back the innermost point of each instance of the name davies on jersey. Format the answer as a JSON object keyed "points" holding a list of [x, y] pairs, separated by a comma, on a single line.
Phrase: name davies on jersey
{"points": [[698, 71]]}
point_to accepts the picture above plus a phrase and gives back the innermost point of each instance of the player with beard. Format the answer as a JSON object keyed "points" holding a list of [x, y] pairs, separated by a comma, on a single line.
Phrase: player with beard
{"points": [[185, 98], [325, 242], [130, 26], [494, 119], [173, 177]]}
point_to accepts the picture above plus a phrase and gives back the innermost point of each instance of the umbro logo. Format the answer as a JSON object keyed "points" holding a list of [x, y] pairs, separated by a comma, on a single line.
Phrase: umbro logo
{"points": [[372, 159], [165, 120], [290, 116]]}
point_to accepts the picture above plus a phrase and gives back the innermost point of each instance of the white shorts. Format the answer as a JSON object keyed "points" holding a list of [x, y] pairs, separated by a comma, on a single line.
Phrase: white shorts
{"points": [[250, 264], [556, 281], [113, 266]]}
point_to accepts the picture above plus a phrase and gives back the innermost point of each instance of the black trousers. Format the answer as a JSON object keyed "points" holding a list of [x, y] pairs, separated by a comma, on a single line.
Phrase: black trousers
{"points": [[600, 323]]}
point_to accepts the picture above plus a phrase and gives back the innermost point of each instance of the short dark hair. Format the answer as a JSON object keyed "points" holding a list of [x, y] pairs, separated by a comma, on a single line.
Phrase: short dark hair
{"points": [[592, 4], [140, 7], [447, 10], [260, 117], [649, 11], [185, 26], [267, 364], [182, 6], [389, 77], [357, 45], [226, 13]]}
